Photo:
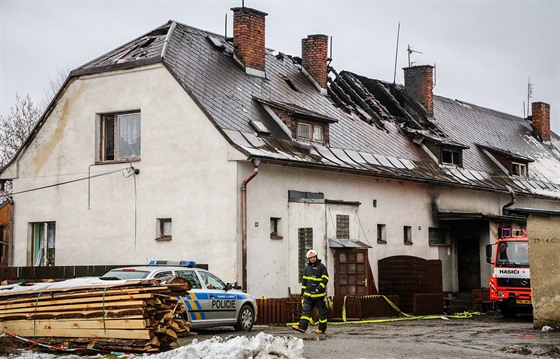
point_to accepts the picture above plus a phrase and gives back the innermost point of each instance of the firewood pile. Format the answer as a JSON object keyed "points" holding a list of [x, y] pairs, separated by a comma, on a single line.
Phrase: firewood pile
{"points": [[110, 315]]}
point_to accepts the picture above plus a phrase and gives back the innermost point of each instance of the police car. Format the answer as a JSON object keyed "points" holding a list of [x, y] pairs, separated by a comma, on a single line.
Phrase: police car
{"points": [[210, 302]]}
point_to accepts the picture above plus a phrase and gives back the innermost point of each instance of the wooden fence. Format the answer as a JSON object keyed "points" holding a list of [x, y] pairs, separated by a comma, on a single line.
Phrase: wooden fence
{"points": [[280, 311]]}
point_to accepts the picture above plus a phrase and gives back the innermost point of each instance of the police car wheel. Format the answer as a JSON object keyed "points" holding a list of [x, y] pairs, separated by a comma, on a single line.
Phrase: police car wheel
{"points": [[245, 319]]}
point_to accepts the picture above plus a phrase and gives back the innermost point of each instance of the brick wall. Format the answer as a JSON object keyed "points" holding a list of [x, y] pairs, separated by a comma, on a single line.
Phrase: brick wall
{"points": [[419, 84], [249, 36], [541, 119], [314, 52]]}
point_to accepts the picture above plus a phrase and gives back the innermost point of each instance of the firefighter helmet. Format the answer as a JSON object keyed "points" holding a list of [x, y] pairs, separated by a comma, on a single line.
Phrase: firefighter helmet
{"points": [[311, 253]]}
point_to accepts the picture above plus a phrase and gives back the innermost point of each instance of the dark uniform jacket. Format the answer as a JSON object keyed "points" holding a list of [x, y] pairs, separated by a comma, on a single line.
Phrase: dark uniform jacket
{"points": [[315, 279]]}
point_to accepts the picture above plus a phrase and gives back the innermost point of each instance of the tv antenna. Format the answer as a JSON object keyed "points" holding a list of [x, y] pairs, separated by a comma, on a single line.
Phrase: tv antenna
{"points": [[396, 53], [410, 51], [529, 94]]}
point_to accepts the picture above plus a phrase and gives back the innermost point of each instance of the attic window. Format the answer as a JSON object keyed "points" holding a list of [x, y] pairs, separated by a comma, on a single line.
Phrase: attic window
{"points": [[310, 132], [217, 43], [259, 127], [451, 157], [518, 169]]}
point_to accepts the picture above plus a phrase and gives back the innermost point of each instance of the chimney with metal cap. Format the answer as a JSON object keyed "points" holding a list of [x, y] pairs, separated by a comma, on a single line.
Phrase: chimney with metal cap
{"points": [[541, 120], [314, 57], [248, 39], [419, 84]]}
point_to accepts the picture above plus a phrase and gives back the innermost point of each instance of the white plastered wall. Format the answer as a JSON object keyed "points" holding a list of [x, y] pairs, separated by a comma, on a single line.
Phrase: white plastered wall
{"points": [[112, 219]]}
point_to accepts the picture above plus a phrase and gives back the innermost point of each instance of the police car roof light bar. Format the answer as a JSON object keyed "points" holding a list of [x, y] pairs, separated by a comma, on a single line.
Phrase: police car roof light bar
{"points": [[164, 262]]}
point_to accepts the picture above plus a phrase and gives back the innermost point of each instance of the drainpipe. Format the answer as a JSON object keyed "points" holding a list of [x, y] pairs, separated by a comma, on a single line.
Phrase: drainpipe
{"points": [[512, 193], [255, 163]]}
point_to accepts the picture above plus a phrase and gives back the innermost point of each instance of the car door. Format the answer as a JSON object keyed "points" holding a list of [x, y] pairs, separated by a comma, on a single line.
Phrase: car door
{"points": [[222, 306], [197, 299]]}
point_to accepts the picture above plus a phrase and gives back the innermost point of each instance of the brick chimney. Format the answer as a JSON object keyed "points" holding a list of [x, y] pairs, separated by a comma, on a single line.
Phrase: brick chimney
{"points": [[314, 51], [248, 39], [419, 84], [541, 120]]}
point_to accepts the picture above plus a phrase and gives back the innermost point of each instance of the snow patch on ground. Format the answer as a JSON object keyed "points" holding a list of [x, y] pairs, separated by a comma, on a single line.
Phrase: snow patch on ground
{"points": [[261, 346]]}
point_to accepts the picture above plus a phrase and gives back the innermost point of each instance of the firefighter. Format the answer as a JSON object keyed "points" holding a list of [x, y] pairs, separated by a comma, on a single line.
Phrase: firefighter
{"points": [[313, 290]]}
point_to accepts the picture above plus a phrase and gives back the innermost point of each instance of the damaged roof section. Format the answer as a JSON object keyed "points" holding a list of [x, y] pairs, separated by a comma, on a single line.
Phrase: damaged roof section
{"points": [[374, 128]]}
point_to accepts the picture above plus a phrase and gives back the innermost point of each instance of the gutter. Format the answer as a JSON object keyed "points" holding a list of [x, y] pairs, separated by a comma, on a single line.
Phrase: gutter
{"points": [[510, 203], [255, 163]]}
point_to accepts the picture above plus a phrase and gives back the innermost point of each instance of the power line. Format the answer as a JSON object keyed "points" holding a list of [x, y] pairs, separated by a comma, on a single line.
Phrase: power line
{"points": [[71, 181]]}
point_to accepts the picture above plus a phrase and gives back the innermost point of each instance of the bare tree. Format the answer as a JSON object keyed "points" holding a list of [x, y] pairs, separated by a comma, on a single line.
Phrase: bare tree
{"points": [[55, 82], [16, 127]]}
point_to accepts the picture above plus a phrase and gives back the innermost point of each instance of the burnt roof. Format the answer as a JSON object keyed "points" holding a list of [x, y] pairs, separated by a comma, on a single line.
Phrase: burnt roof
{"points": [[374, 127]]}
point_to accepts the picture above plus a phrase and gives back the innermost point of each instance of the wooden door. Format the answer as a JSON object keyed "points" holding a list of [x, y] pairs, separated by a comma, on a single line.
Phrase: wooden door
{"points": [[351, 268]]}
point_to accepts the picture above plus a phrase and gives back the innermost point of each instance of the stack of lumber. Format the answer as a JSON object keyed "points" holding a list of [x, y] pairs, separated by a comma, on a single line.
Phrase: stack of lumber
{"points": [[113, 315]]}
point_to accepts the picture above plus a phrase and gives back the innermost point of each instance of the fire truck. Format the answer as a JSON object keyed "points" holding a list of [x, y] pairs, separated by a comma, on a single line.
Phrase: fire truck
{"points": [[510, 283]]}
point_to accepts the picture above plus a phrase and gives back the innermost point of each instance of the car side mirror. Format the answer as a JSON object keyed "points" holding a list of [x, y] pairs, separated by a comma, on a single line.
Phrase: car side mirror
{"points": [[229, 287], [489, 253]]}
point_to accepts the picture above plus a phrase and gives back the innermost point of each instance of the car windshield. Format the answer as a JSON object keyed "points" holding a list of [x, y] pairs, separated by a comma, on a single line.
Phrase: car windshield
{"points": [[126, 274], [513, 253]]}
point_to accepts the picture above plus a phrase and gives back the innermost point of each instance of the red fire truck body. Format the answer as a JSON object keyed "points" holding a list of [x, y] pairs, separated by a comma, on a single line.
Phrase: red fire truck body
{"points": [[510, 283]]}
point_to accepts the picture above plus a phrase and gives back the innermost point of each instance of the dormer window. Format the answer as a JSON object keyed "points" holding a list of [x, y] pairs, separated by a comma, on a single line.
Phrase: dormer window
{"points": [[512, 164], [518, 169], [451, 157], [310, 132]]}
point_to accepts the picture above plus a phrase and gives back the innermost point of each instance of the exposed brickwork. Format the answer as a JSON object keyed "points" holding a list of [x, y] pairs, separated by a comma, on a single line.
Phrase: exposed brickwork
{"points": [[541, 119], [314, 53], [419, 84], [249, 36]]}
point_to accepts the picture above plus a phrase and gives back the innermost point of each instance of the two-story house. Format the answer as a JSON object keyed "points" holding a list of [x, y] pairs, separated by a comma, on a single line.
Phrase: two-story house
{"points": [[184, 144]]}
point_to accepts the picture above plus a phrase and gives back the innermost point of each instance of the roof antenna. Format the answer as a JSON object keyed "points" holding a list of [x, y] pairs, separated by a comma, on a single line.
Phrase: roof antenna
{"points": [[410, 51], [330, 52], [529, 94], [396, 53], [225, 29], [242, 3]]}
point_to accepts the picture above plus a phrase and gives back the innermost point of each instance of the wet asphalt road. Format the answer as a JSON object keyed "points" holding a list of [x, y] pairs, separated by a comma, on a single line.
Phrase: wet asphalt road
{"points": [[482, 336]]}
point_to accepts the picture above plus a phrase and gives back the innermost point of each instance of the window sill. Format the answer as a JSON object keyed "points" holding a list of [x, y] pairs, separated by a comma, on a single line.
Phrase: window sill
{"points": [[380, 241], [163, 239], [276, 237], [123, 160], [408, 243]]}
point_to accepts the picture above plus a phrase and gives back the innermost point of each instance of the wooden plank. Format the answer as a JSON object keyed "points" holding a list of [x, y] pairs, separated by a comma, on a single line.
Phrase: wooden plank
{"points": [[86, 333], [99, 299], [12, 326], [108, 313], [84, 306], [93, 292]]}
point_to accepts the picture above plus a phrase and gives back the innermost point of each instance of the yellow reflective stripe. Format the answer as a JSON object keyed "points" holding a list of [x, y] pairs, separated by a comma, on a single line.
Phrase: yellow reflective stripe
{"points": [[315, 279], [322, 285], [304, 317], [322, 320], [325, 276], [314, 295]]}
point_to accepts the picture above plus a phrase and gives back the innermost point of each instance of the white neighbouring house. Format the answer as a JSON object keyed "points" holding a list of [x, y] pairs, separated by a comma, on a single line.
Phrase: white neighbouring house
{"points": [[183, 144]]}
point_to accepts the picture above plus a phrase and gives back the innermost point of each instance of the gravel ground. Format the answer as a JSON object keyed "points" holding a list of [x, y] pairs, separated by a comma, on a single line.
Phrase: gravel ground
{"points": [[482, 336]]}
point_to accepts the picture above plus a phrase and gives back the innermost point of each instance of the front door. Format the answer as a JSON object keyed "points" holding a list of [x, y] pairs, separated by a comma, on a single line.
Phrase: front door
{"points": [[351, 267], [468, 255]]}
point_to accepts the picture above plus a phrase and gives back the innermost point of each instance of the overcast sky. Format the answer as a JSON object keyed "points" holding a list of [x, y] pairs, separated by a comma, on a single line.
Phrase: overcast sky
{"points": [[484, 51]]}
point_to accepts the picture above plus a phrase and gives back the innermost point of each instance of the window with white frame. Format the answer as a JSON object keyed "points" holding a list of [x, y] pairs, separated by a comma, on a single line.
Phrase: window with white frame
{"points": [[120, 136], [451, 157], [309, 132], [43, 244], [518, 169]]}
